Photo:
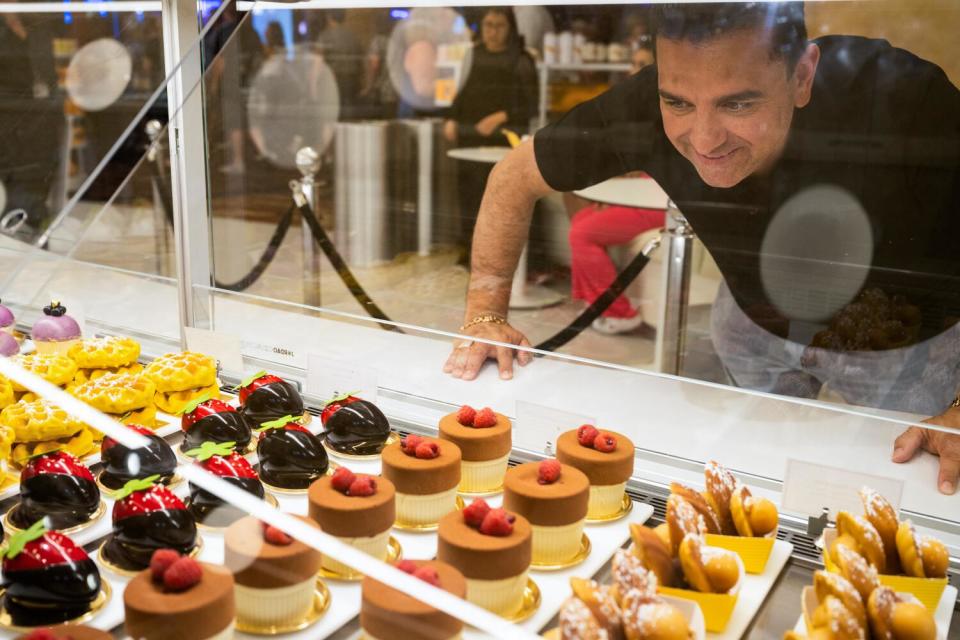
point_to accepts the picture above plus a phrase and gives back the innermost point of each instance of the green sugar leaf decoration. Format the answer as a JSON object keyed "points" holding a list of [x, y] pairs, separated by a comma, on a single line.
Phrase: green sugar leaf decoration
{"points": [[137, 484], [209, 449], [249, 379], [19, 540]]}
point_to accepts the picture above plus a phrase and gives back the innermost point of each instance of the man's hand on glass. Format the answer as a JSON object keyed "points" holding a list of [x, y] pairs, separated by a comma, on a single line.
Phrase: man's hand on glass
{"points": [[468, 356], [940, 443]]}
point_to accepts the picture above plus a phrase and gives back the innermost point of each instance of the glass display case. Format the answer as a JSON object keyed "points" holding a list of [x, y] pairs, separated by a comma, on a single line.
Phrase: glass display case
{"points": [[289, 199]]}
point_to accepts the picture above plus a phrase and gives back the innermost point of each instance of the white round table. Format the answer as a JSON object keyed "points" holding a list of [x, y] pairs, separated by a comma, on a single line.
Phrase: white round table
{"points": [[522, 294], [642, 193]]}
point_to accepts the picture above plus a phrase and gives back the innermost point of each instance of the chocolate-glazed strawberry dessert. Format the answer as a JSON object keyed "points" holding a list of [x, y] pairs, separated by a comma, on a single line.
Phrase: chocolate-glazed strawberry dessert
{"points": [[206, 420], [56, 486], [265, 397], [290, 456], [222, 461], [123, 464], [47, 578], [147, 517], [354, 426]]}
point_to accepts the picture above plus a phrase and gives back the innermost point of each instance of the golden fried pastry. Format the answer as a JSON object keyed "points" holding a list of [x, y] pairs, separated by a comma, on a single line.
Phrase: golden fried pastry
{"points": [[836, 619], [86, 375], [647, 617], [174, 402], [7, 396], [104, 353], [80, 444], [708, 569], [720, 484], [39, 420], [935, 557], [683, 520], [868, 540], [698, 502], [910, 560], [576, 622], [879, 512], [752, 517], [832, 584], [182, 371], [898, 616], [117, 393], [629, 574], [53, 368], [857, 571], [663, 530], [654, 554], [602, 604]]}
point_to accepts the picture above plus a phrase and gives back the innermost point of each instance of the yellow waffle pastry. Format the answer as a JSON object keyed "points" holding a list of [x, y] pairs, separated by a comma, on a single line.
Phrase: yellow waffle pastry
{"points": [[80, 444], [182, 371], [39, 420], [85, 375], [117, 393], [7, 396], [174, 402], [104, 353], [7, 434], [53, 368]]}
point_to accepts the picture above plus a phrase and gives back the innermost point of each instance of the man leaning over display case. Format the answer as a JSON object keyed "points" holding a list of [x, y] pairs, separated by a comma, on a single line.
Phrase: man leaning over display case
{"points": [[823, 177]]}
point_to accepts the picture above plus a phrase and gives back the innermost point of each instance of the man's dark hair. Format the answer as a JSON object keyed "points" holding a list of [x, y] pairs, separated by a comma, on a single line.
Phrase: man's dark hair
{"points": [[700, 22]]}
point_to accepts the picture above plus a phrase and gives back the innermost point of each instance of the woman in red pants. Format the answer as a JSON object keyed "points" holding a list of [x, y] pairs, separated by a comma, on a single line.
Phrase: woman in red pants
{"points": [[592, 230]]}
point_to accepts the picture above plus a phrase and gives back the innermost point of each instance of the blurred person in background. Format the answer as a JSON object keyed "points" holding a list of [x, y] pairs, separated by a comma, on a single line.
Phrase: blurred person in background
{"points": [[31, 115], [342, 52], [500, 92]]}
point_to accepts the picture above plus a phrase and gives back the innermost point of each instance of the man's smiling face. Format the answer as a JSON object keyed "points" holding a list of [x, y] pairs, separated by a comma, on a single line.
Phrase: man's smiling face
{"points": [[727, 104]]}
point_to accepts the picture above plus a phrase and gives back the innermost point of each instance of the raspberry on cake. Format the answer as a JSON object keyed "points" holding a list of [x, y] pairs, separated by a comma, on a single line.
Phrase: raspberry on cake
{"points": [[275, 575], [484, 438], [426, 480], [494, 555], [178, 597], [388, 613], [66, 632], [606, 458], [361, 520], [556, 511]]}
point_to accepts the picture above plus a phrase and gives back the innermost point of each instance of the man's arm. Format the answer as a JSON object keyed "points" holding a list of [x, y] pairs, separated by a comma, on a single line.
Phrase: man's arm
{"points": [[514, 186]]}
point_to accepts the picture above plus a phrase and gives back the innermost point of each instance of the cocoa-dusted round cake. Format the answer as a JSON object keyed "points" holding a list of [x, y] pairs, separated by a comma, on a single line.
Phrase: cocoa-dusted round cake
{"points": [[606, 458], [204, 611], [358, 509], [554, 498], [492, 548], [426, 474], [275, 575], [388, 613], [485, 440], [69, 632]]}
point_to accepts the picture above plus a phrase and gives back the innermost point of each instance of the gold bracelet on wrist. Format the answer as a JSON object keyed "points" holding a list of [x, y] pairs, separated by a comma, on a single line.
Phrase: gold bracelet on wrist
{"points": [[484, 318]]}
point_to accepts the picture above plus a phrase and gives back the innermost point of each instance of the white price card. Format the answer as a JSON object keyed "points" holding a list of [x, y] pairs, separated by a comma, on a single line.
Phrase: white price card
{"points": [[538, 427], [222, 346], [809, 488], [327, 378]]}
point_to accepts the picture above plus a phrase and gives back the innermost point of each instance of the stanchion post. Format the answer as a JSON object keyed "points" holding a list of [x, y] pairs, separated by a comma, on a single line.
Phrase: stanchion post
{"points": [[154, 129], [671, 337], [308, 162]]}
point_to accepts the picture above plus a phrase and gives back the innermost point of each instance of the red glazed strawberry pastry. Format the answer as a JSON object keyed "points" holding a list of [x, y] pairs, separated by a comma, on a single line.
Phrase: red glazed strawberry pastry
{"points": [[47, 578], [207, 420], [223, 461], [57, 486], [265, 397], [148, 517]]}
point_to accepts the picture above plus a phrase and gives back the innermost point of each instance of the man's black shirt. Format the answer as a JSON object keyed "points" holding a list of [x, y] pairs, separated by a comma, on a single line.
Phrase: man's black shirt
{"points": [[882, 125]]}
